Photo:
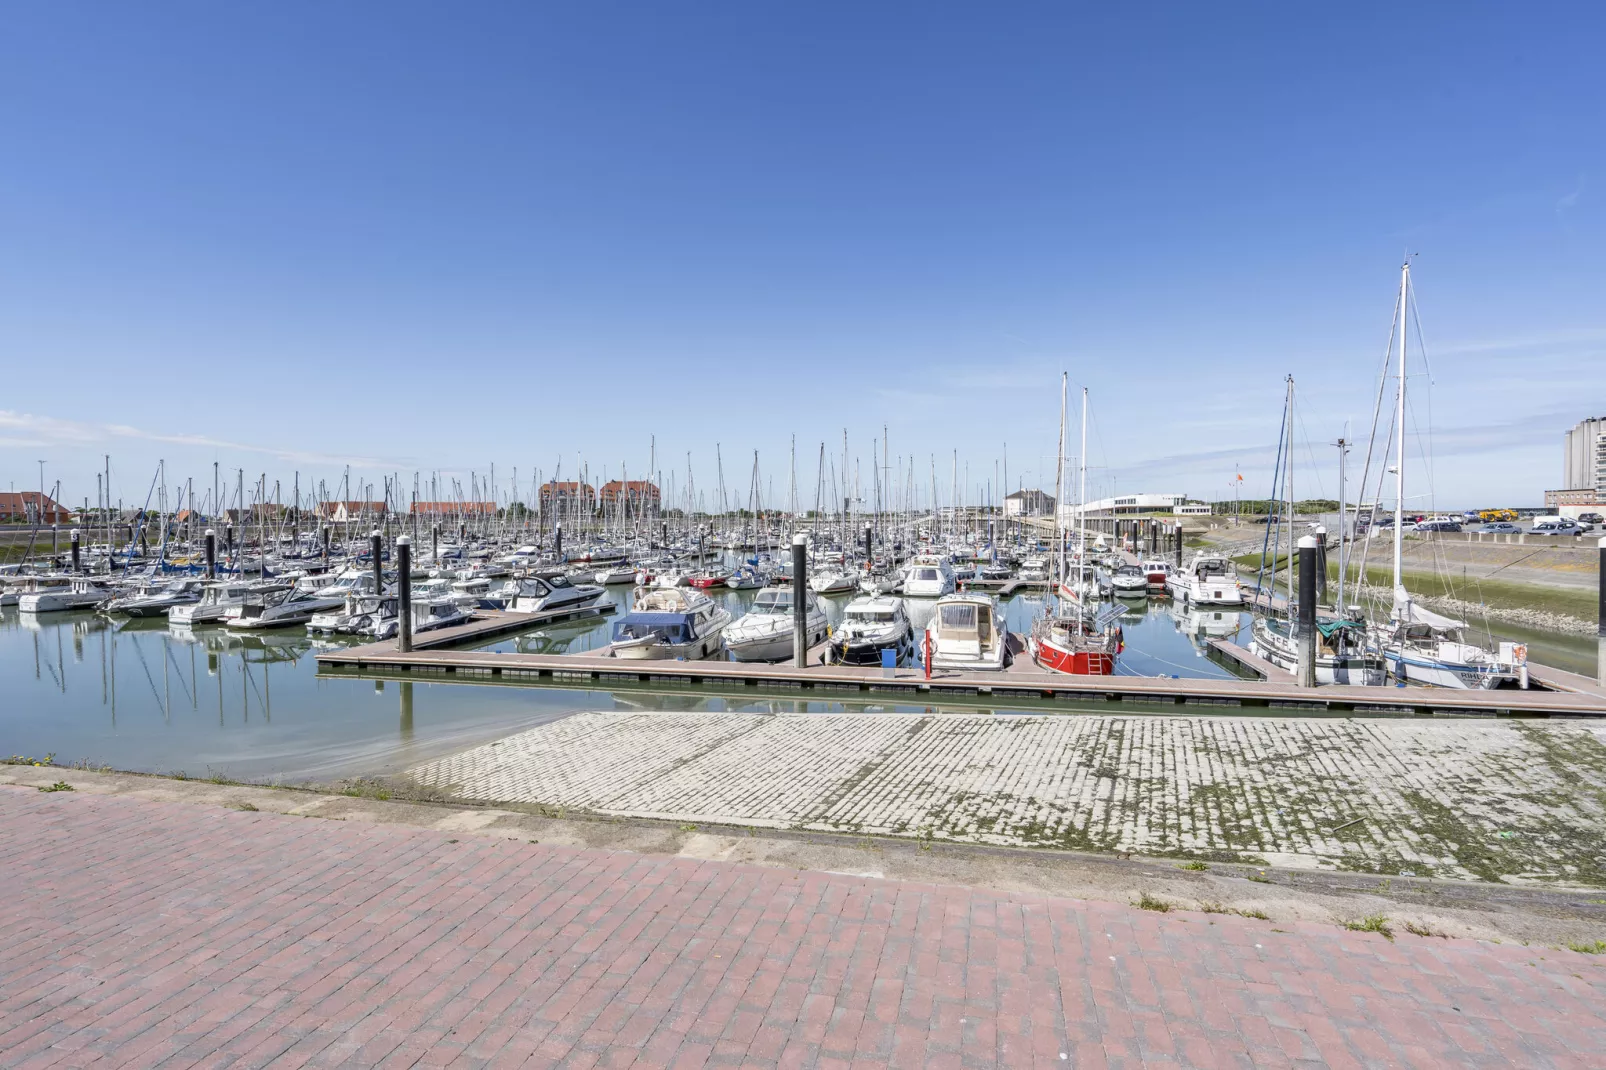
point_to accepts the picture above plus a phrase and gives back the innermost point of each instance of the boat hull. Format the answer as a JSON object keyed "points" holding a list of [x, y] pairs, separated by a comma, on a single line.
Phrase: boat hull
{"points": [[1072, 662]]}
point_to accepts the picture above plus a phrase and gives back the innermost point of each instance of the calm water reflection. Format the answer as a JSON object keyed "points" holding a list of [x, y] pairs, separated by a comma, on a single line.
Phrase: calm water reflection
{"points": [[145, 695]]}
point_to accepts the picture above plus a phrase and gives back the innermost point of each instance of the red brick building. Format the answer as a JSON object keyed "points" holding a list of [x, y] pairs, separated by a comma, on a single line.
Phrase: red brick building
{"points": [[23, 506]]}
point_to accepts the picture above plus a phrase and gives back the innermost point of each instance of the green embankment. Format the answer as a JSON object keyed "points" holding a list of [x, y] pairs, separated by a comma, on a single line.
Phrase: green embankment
{"points": [[1497, 594]]}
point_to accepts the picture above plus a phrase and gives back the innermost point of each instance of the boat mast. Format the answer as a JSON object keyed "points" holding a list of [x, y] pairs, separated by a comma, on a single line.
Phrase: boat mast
{"points": [[1081, 499], [1288, 496], [1059, 495], [1399, 431]]}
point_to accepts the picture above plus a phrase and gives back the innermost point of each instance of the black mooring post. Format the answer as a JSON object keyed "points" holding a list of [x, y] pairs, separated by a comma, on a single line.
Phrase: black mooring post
{"points": [[1321, 567], [800, 600], [557, 542], [376, 547], [868, 549], [211, 554], [404, 594], [77, 562], [1306, 628], [324, 532]]}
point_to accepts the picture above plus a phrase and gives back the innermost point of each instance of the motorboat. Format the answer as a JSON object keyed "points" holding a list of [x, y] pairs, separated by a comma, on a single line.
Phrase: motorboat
{"points": [[929, 576], [670, 622], [217, 598], [1209, 579], [428, 616], [613, 574], [746, 578], [277, 605], [356, 616], [1034, 569], [1158, 571], [1129, 581], [171, 595], [129, 589], [1077, 642], [1421, 646], [1341, 654], [18, 585], [708, 578], [833, 580], [671, 577], [765, 631], [966, 632], [549, 594], [83, 592], [869, 626]]}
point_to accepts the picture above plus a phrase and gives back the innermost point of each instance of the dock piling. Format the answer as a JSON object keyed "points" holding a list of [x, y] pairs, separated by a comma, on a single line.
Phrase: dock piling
{"points": [[211, 553], [557, 541], [1306, 628], [376, 546], [77, 563], [800, 600], [404, 594], [1321, 566]]}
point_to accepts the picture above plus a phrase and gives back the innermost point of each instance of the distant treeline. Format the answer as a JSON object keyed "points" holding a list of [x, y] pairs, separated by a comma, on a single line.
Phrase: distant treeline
{"points": [[1266, 505]]}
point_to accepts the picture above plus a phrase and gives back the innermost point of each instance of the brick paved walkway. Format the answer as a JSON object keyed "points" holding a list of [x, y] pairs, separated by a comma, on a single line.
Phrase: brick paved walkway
{"points": [[139, 933]]}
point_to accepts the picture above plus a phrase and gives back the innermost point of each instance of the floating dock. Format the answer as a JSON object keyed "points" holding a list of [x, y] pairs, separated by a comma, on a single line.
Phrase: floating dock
{"points": [[1023, 682]]}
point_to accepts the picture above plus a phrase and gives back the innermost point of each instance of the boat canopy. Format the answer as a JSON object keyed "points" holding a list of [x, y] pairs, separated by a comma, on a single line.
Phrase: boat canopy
{"points": [[670, 627], [1407, 611]]}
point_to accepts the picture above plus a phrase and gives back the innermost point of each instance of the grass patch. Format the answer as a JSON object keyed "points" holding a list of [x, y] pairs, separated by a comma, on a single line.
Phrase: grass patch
{"points": [[1423, 930], [688, 827], [1258, 915], [60, 785], [1196, 866], [1261, 878], [1372, 923], [245, 806], [1149, 902], [22, 759], [1594, 947]]}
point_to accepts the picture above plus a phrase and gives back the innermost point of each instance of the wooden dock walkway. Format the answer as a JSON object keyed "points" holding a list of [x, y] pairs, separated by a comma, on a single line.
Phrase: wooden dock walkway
{"points": [[1266, 670], [1024, 682]]}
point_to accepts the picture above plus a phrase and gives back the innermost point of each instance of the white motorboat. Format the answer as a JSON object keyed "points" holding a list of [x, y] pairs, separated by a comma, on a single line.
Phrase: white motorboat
{"points": [[670, 622], [355, 616], [833, 580], [1158, 571], [1034, 569], [217, 598], [764, 632], [535, 594], [869, 626], [1208, 580], [616, 574], [1129, 581], [428, 616], [277, 605], [671, 577], [18, 585], [966, 632], [746, 578], [83, 592], [928, 576], [171, 595]]}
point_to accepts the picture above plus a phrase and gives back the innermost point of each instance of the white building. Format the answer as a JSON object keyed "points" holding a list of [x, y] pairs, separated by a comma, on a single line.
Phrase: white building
{"points": [[1028, 503], [1130, 503], [1580, 461]]}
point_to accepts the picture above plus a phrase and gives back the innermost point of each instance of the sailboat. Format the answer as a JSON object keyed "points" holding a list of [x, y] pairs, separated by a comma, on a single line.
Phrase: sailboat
{"points": [[1417, 644], [1074, 641]]}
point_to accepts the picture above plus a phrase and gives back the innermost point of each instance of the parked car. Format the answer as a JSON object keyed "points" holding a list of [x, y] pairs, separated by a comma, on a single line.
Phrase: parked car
{"points": [[1591, 518], [1437, 524], [1501, 527], [1555, 526]]}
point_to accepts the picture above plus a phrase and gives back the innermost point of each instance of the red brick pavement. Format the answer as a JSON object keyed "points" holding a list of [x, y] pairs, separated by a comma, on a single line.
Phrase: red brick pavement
{"points": [[140, 934]]}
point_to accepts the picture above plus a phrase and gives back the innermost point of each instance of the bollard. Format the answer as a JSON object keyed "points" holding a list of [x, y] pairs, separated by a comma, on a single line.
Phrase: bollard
{"points": [[211, 554], [77, 562], [404, 594], [800, 600], [1600, 628], [1306, 628], [376, 543], [1321, 568]]}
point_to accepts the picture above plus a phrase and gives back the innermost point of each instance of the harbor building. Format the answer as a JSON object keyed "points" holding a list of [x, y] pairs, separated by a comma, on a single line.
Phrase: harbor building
{"points": [[1133, 503], [1583, 466], [23, 506], [637, 497], [350, 512], [1028, 503]]}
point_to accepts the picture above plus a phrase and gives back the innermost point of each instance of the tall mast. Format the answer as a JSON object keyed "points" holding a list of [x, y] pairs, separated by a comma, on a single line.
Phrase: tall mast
{"points": [[1081, 498], [1399, 430], [1059, 493]]}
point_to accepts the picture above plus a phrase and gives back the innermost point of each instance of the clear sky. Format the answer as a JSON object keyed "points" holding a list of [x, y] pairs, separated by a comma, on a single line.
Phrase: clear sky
{"points": [[288, 237]]}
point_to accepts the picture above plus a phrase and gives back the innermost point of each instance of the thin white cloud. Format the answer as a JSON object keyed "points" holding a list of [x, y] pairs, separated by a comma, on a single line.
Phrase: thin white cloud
{"points": [[52, 431]]}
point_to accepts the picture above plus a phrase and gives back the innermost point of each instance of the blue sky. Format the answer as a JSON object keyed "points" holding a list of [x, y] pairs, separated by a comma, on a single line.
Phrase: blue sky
{"points": [[409, 236]]}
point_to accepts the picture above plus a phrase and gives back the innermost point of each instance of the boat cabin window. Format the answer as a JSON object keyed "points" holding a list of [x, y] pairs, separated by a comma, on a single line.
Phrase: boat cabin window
{"points": [[925, 574], [560, 581], [959, 618], [882, 615]]}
